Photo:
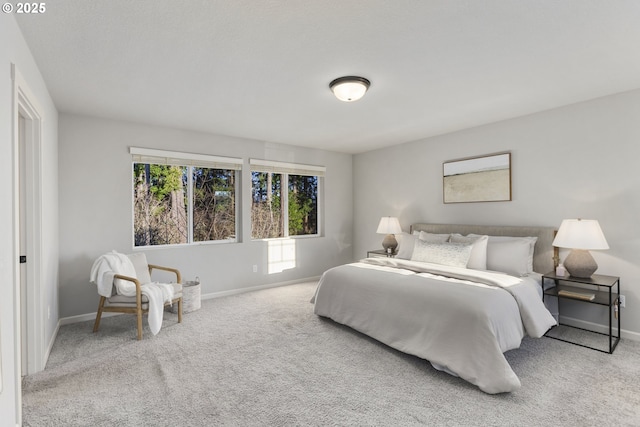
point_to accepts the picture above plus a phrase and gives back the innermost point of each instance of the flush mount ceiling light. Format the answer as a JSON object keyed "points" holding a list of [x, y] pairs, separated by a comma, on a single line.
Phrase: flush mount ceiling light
{"points": [[349, 88]]}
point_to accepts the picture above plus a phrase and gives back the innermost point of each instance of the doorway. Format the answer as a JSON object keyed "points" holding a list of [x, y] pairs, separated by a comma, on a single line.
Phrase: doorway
{"points": [[29, 296]]}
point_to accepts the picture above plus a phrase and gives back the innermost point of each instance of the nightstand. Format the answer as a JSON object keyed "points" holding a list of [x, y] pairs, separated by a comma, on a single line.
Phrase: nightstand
{"points": [[589, 292], [380, 253]]}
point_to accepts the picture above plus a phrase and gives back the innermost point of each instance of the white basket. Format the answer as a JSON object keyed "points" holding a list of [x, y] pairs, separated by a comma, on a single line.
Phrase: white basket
{"points": [[190, 298]]}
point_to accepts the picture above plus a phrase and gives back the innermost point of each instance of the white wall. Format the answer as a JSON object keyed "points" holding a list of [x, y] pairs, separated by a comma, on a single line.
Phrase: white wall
{"points": [[580, 161], [13, 49], [96, 209]]}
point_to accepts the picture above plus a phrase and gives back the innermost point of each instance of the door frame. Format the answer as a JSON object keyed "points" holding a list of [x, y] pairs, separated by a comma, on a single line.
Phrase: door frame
{"points": [[25, 104]]}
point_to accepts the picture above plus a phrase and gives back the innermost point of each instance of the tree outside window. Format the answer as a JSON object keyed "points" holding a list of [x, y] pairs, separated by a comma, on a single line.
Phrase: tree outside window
{"points": [[183, 204], [214, 204], [266, 206], [303, 205], [160, 205], [277, 213]]}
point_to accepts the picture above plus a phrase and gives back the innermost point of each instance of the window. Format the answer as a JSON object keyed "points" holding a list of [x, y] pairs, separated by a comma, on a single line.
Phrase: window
{"points": [[181, 198], [285, 199]]}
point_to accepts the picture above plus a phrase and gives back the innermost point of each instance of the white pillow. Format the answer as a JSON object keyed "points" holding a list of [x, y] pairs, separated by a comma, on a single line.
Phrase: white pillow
{"points": [[478, 257], [492, 259], [509, 256], [139, 261], [434, 238], [452, 254], [406, 242]]}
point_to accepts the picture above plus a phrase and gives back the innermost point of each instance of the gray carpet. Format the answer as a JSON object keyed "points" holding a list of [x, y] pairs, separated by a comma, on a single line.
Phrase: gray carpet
{"points": [[264, 358]]}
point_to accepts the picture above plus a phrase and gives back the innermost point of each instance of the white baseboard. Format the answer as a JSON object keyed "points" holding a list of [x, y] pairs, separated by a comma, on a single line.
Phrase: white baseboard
{"points": [[604, 329], [84, 317], [257, 288], [92, 316], [50, 346]]}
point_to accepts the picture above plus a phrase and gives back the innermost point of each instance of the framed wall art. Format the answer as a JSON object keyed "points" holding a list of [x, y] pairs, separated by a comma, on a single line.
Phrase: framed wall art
{"points": [[477, 179]]}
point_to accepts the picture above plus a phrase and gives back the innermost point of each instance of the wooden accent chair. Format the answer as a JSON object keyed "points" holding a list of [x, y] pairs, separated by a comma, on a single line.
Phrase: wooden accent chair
{"points": [[139, 303]]}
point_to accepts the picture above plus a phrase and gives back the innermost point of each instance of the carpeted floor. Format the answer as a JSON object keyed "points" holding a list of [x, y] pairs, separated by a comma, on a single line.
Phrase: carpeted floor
{"points": [[264, 358]]}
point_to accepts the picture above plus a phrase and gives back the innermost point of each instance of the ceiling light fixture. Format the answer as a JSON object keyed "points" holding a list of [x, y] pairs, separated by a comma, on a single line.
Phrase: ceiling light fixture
{"points": [[349, 88]]}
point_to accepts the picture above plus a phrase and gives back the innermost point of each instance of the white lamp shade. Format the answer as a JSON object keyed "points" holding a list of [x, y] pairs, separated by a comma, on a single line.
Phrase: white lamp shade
{"points": [[580, 234], [389, 225], [349, 89]]}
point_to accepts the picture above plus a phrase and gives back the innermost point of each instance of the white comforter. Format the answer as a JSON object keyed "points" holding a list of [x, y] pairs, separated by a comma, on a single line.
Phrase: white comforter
{"points": [[461, 323]]}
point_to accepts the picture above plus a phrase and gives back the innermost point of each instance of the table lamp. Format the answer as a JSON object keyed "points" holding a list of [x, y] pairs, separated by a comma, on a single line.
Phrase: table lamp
{"points": [[389, 225], [581, 236]]}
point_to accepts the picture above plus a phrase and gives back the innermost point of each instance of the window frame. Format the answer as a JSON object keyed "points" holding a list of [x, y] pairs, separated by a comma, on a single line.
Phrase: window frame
{"points": [[285, 169], [190, 161]]}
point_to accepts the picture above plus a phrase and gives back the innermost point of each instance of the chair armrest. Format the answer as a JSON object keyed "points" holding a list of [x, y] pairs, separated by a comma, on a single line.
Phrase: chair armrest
{"points": [[169, 269], [135, 282], [130, 279]]}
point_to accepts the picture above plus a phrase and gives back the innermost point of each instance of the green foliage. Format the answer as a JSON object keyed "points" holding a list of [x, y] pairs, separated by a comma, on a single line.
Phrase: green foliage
{"points": [[166, 179], [161, 180], [299, 210], [303, 205]]}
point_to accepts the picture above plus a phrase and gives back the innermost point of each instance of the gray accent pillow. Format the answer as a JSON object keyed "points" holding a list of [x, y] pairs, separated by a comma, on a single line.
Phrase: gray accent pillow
{"points": [[433, 238]]}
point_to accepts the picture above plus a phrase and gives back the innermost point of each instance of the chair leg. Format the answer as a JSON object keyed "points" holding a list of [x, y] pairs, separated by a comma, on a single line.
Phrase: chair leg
{"points": [[139, 315], [96, 325], [180, 310]]}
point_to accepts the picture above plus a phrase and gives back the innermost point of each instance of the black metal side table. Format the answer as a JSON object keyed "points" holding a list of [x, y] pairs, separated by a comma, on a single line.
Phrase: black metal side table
{"points": [[591, 294], [380, 253]]}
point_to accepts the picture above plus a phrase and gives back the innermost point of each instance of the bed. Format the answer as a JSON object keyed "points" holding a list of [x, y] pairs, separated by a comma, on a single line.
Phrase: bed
{"points": [[458, 296]]}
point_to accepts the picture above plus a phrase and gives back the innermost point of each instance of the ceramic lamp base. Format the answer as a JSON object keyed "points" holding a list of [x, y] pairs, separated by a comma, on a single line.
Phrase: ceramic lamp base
{"points": [[580, 263], [390, 243]]}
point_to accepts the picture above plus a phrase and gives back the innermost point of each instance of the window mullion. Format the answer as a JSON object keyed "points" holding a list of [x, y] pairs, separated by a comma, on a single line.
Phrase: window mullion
{"points": [[284, 203], [190, 204]]}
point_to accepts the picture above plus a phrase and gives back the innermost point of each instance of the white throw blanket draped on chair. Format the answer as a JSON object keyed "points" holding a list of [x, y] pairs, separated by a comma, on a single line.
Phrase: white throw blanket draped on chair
{"points": [[108, 265]]}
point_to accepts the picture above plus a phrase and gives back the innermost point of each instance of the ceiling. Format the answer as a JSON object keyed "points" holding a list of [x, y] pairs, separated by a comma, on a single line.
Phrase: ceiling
{"points": [[260, 69]]}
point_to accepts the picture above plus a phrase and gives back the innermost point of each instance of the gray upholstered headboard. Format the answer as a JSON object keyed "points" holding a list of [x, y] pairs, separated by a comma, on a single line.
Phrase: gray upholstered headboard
{"points": [[545, 255]]}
